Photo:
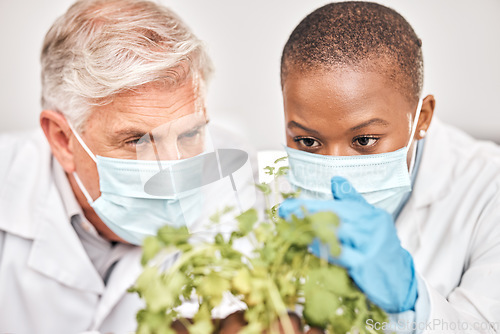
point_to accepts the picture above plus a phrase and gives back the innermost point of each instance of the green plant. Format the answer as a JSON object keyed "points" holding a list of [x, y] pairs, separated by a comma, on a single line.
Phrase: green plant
{"points": [[279, 275]]}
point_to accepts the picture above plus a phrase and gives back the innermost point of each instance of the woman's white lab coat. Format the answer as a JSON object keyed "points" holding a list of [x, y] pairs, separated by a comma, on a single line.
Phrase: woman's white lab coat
{"points": [[451, 226]]}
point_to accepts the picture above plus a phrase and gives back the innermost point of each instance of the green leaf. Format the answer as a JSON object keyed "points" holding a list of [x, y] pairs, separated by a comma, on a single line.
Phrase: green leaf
{"points": [[319, 306], [201, 327], [216, 217], [150, 249], [163, 293], [325, 224], [274, 213], [219, 239], [173, 236], [341, 324], [202, 321], [293, 194], [265, 188], [227, 209], [282, 171], [252, 328], [147, 277], [330, 282], [242, 281], [286, 285], [336, 280], [153, 323], [258, 292], [263, 232], [269, 170], [280, 159], [247, 220], [213, 286]]}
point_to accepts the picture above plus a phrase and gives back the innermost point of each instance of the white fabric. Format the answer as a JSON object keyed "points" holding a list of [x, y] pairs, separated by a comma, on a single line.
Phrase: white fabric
{"points": [[101, 252], [47, 282], [451, 226]]}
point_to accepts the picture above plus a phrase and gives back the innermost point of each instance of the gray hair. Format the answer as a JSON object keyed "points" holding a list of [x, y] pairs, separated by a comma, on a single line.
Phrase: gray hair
{"points": [[100, 48]]}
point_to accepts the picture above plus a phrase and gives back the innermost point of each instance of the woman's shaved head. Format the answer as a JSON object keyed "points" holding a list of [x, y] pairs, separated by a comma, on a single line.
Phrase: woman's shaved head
{"points": [[359, 35]]}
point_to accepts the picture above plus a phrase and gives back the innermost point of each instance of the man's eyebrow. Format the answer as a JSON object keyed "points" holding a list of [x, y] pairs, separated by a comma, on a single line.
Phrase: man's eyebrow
{"points": [[128, 133], [293, 124], [372, 121]]}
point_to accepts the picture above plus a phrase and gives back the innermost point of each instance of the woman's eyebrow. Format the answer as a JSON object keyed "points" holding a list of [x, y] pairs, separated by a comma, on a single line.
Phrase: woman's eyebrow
{"points": [[293, 124], [372, 121]]}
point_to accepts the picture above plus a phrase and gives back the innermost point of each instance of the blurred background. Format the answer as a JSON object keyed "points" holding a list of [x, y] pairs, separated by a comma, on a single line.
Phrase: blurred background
{"points": [[461, 43]]}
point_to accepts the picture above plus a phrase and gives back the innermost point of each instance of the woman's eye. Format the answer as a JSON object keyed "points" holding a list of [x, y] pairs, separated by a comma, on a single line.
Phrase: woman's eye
{"points": [[365, 141], [307, 142]]}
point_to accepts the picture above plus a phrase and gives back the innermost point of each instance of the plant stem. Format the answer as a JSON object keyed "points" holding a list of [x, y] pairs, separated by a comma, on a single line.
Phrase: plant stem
{"points": [[280, 307]]}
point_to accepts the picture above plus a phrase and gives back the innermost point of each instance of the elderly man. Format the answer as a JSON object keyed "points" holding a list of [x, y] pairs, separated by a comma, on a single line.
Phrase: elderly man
{"points": [[123, 98]]}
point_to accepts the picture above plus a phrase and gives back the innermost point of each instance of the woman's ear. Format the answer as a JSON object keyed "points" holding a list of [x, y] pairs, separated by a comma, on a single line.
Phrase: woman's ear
{"points": [[426, 113], [59, 136]]}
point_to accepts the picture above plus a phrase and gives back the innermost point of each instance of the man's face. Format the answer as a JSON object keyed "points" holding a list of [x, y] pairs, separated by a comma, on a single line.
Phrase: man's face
{"points": [[153, 122], [345, 112]]}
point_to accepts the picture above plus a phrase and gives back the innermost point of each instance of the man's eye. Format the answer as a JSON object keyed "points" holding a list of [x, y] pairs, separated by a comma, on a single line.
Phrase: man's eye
{"points": [[139, 141], [365, 141], [307, 142], [199, 130], [190, 134]]}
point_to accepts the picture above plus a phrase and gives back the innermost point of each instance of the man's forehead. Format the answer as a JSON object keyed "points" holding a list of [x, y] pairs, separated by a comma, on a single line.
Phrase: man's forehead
{"points": [[148, 108], [158, 95], [158, 126]]}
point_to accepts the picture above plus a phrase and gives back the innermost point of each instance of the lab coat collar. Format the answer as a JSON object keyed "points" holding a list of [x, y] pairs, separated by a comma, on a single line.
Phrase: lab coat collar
{"points": [[31, 207], [70, 203], [21, 194], [433, 178], [58, 253], [124, 275]]}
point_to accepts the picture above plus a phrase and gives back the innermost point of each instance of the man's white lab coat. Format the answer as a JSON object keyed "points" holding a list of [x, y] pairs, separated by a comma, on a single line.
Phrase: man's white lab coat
{"points": [[48, 284]]}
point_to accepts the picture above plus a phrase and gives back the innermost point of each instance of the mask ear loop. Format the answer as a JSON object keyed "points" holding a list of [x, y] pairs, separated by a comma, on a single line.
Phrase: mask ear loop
{"points": [[92, 156], [415, 122], [413, 130], [82, 188], [82, 143]]}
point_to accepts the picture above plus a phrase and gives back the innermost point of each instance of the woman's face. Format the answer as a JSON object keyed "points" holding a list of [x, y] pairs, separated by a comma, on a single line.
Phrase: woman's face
{"points": [[345, 112]]}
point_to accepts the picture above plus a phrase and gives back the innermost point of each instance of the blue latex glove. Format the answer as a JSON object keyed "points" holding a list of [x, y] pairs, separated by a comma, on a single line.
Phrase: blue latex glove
{"points": [[370, 248]]}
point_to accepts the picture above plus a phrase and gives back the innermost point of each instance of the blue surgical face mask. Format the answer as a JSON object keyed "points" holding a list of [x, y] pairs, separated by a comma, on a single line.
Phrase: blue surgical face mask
{"points": [[132, 207], [383, 179]]}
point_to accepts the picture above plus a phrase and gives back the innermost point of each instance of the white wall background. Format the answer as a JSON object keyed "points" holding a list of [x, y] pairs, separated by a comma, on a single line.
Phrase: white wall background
{"points": [[461, 41]]}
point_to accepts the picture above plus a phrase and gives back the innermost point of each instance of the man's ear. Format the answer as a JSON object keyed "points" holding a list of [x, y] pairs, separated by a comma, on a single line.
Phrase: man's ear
{"points": [[59, 136], [425, 118]]}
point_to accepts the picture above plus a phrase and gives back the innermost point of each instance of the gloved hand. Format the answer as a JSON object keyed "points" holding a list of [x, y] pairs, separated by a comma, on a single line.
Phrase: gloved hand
{"points": [[370, 248]]}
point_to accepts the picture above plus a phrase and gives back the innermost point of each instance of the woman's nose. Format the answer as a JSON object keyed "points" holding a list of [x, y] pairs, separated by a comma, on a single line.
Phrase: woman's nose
{"points": [[337, 150]]}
